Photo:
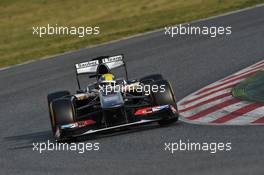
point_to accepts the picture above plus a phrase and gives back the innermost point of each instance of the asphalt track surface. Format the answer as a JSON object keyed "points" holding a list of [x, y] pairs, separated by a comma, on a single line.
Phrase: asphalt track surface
{"points": [[190, 62]]}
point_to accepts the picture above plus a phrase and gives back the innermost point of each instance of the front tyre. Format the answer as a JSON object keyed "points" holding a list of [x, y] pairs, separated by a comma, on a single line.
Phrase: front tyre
{"points": [[50, 98], [164, 96], [151, 78], [63, 112]]}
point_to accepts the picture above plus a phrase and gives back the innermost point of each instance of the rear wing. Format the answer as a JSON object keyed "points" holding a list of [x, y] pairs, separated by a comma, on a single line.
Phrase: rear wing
{"points": [[91, 67]]}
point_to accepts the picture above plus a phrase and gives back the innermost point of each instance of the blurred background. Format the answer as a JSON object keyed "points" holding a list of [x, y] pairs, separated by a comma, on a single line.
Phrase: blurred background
{"points": [[116, 18]]}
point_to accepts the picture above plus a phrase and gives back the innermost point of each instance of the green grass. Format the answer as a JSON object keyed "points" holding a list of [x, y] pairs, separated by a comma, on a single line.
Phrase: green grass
{"points": [[251, 89], [116, 19]]}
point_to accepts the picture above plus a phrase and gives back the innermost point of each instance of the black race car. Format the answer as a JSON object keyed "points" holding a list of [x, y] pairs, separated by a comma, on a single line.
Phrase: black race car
{"points": [[110, 103]]}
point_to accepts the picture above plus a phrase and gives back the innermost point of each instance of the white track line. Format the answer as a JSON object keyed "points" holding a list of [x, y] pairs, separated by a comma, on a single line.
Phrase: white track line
{"points": [[203, 108], [220, 113], [248, 117], [226, 85], [206, 98]]}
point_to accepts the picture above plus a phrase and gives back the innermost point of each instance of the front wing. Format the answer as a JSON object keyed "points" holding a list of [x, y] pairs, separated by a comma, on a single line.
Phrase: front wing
{"points": [[143, 115]]}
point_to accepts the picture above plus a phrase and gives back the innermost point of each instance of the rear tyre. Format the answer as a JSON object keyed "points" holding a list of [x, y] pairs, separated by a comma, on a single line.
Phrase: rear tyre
{"points": [[164, 96], [50, 98]]}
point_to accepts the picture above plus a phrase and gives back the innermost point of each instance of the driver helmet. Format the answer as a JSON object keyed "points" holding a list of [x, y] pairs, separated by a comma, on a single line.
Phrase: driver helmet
{"points": [[107, 77]]}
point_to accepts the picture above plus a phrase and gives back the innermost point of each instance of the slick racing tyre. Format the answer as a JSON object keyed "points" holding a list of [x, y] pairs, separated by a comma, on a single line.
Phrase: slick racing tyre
{"points": [[164, 97], [52, 97], [151, 78], [63, 112]]}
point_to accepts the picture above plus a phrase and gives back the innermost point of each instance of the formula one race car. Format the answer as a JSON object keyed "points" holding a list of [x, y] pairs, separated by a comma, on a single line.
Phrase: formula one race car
{"points": [[110, 103]]}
